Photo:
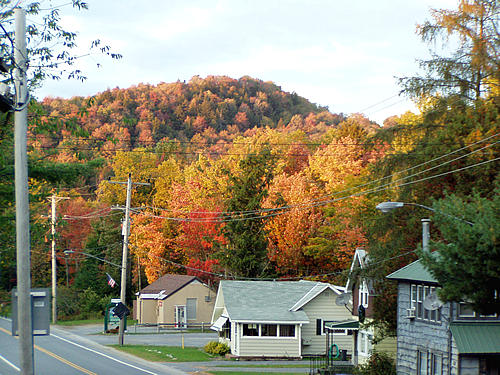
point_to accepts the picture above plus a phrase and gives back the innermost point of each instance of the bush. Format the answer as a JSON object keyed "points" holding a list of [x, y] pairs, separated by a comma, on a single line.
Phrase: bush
{"points": [[216, 348], [5, 299], [378, 364], [75, 305]]}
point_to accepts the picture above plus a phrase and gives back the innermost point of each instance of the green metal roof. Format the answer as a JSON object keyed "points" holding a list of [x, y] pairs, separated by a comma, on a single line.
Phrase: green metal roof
{"points": [[345, 324], [413, 272], [476, 337], [261, 301]]}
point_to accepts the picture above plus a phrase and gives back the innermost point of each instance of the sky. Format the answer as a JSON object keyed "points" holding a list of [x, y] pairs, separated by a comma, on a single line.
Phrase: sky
{"points": [[346, 55]]}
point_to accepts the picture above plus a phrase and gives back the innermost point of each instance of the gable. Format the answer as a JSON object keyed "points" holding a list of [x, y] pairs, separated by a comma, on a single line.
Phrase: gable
{"points": [[167, 285], [318, 289]]}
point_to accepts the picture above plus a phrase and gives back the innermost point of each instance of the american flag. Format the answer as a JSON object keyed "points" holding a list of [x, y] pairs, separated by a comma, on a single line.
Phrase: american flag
{"points": [[111, 282]]}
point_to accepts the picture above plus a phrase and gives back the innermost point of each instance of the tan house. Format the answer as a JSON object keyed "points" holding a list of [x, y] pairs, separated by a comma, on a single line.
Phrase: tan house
{"points": [[179, 300]]}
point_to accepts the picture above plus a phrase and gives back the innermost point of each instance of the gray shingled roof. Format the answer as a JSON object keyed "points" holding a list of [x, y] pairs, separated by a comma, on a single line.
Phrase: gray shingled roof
{"points": [[267, 301]]}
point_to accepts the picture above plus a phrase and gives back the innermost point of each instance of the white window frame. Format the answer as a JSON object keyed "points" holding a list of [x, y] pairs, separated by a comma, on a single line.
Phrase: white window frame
{"points": [[365, 343], [418, 293], [259, 331], [363, 294]]}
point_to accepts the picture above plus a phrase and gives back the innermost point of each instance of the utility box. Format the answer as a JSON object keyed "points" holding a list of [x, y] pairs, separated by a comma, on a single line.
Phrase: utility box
{"points": [[40, 312]]}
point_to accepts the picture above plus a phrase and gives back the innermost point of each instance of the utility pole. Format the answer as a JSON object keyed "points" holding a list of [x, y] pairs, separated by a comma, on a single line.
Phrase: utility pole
{"points": [[22, 198], [54, 199], [126, 230]]}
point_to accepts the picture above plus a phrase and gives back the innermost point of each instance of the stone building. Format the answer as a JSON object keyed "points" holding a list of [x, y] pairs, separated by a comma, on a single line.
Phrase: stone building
{"points": [[435, 338]]}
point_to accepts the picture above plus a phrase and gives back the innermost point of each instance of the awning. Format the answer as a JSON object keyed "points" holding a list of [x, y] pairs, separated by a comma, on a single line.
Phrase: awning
{"points": [[217, 326], [344, 324], [476, 337]]}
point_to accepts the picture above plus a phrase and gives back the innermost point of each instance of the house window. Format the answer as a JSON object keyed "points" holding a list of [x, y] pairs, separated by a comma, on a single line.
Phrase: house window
{"points": [[436, 364], [287, 330], [226, 330], [420, 299], [320, 328], [418, 294], [363, 294], [191, 308], [269, 330], [365, 343], [465, 310], [250, 330], [421, 363]]}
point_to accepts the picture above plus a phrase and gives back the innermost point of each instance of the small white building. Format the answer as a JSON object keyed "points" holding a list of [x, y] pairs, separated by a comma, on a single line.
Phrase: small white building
{"points": [[278, 318]]}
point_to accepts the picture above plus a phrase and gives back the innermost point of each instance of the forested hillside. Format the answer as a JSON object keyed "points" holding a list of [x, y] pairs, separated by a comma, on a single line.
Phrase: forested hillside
{"points": [[188, 116], [247, 181]]}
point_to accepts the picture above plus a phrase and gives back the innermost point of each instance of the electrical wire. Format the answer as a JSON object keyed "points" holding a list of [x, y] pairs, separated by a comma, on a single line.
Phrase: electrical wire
{"points": [[323, 200]]}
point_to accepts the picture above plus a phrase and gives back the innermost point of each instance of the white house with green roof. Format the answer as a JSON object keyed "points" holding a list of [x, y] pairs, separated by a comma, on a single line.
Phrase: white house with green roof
{"points": [[441, 338], [278, 318]]}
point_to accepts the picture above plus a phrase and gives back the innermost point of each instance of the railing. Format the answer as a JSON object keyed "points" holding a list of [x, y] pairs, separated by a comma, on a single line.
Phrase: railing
{"points": [[321, 364], [204, 326]]}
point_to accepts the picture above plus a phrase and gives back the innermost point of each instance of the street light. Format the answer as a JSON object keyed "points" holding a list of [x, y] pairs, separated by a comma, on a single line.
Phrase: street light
{"points": [[91, 256], [389, 206]]}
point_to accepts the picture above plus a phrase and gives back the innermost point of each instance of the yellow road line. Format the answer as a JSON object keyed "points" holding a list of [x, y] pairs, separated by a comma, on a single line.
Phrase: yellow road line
{"points": [[84, 370], [4, 330]]}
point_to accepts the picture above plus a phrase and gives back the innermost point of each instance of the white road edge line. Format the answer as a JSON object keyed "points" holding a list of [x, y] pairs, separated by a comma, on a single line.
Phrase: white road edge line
{"points": [[104, 355], [10, 363], [5, 359]]}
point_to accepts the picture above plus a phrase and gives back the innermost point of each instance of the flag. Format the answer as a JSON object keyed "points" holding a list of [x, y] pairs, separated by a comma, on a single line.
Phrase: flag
{"points": [[111, 282]]}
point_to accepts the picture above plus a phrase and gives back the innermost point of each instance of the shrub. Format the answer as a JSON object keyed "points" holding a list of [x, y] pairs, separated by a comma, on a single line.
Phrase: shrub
{"points": [[216, 348], [378, 364]]}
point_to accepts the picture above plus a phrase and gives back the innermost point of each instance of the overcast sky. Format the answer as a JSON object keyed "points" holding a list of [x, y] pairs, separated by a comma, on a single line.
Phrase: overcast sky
{"points": [[342, 54]]}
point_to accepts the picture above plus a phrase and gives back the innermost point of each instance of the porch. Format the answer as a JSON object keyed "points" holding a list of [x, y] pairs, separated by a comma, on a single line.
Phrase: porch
{"points": [[336, 361]]}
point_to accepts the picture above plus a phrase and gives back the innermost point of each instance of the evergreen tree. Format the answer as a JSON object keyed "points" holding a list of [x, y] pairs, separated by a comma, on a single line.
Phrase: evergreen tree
{"points": [[246, 253], [468, 263], [474, 67]]}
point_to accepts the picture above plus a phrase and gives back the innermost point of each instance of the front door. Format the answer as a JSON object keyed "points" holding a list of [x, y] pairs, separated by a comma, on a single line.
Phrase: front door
{"points": [[180, 316]]}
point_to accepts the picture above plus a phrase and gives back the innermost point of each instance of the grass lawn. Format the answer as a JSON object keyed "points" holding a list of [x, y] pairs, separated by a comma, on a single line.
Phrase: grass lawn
{"points": [[165, 353], [246, 373], [130, 322], [298, 365]]}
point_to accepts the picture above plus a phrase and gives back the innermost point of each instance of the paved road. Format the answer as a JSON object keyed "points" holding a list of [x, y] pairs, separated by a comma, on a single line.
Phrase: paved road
{"points": [[64, 353], [80, 349]]}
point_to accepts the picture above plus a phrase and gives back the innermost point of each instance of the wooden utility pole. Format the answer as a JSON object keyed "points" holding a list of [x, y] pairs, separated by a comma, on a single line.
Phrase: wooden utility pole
{"points": [[54, 199], [126, 232]]}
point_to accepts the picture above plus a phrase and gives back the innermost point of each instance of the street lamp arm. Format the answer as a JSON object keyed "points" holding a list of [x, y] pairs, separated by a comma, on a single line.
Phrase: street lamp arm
{"points": [[92, 256], [389, 206]]}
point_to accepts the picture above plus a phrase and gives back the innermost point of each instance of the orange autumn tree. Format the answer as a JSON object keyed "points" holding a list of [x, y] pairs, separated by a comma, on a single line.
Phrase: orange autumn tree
{"points": [[340, 167], [153, 246], [201, 238], [288, 232]]}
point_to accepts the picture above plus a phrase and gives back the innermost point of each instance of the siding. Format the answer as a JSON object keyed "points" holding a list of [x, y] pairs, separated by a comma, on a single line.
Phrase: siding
{"points": [[415, 335], [269, 347], [147, 311], [324, 307], [192, 290]]}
